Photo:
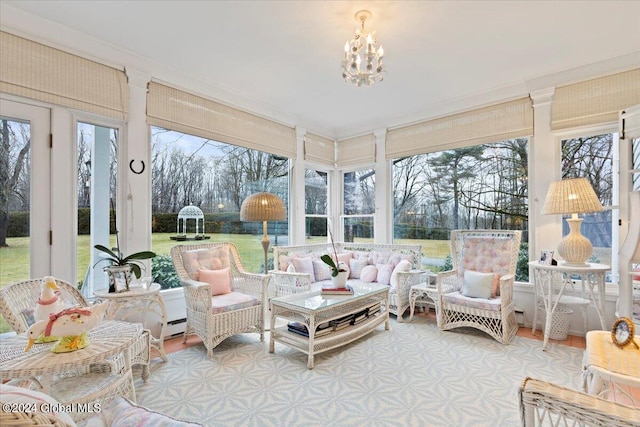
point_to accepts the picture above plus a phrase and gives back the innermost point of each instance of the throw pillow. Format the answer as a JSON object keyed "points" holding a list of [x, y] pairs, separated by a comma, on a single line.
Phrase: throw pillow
{"points": [[219, 280], [495, 286], [356, 266], [369, 274], [476, 284], [121, 412], [304, 265], [321, 270], [403, 265], [384, 273], [291, 269]]}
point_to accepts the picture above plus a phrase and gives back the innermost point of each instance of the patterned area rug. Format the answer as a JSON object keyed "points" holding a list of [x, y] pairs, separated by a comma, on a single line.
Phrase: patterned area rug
{"points": [[412, 375]]}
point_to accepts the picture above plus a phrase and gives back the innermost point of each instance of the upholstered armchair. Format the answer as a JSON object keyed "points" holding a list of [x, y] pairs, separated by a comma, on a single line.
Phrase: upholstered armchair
{"points": [[478, 292], [222, 298]]}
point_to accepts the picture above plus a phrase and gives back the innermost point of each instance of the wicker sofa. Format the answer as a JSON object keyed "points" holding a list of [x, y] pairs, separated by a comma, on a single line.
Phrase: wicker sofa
{"points": [[313, 274]]}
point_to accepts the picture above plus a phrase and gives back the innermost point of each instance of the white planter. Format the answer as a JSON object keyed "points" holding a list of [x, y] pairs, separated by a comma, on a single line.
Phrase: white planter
{"points": [[340, 281]]}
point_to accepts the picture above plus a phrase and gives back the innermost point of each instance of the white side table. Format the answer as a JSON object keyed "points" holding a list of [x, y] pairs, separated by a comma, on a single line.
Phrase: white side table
{"points": [[611, 372], [550, 281], [140, 305], [422, 291]]}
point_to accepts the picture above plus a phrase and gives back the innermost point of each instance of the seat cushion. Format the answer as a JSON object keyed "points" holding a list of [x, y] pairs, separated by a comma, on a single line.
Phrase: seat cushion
{"points": [[479, 303], [232, 301], [206, 258], [487, 254]]}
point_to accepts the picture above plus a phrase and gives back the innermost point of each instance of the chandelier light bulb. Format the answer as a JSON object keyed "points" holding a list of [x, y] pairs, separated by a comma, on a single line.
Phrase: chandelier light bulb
{"points": [[362, 49]]}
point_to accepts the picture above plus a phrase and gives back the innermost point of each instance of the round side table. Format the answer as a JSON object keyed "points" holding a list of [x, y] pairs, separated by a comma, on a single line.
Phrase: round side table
{"points": [[139, 305]]}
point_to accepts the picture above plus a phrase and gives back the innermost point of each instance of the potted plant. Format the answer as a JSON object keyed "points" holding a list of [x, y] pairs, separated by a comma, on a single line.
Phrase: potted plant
{"points": [[338, 274], [120, 267]]}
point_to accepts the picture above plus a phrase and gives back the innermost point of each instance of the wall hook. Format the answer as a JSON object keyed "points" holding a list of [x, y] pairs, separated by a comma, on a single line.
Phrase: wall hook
{"points": [[135, 171]]}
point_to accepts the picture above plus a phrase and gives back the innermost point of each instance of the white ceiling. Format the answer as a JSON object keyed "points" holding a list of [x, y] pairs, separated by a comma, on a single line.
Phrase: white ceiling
{"points": [[282, 58]]}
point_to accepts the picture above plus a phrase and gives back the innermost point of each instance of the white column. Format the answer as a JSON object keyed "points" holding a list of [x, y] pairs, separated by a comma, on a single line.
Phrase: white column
{"points": [[100, 162], [296, 197], [544, 168], [135, 217], [383, 223]]}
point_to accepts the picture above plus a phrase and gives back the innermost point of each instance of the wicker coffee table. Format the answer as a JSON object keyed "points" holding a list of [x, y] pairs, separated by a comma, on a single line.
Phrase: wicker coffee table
{"points": [[83, 379], [313, 309]]}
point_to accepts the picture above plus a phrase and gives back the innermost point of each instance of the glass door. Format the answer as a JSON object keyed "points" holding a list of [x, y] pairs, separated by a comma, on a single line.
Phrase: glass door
{"points": [[25, 192]]}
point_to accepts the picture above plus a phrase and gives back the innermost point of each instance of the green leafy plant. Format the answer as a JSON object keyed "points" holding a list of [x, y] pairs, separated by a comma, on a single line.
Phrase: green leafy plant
{"points": [[164, 272], [335, 269], [117, 258]]}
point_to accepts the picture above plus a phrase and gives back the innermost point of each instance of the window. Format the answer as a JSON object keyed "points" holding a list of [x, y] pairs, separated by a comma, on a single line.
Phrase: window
{"points": [[210, 178], [476, 187], [358, 205], [315, 205], [594, 157], [97, 170]]}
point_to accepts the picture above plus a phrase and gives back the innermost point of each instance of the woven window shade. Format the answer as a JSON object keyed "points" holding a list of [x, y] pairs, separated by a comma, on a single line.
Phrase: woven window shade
{"points": [[512, 119], [356, 151], [181, 111], [319, 149], [40, 72], [595, 101]]}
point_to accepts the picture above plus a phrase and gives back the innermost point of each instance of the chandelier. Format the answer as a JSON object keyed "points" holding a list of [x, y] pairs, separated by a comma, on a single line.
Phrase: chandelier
{"points": [[362, 64]]}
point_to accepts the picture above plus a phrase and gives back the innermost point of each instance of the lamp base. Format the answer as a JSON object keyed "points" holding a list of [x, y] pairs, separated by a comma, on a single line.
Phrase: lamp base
{"points": [[575, 249]]}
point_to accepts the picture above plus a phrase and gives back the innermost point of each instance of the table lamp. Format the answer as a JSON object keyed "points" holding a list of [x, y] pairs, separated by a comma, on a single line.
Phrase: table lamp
{"points": [[263, 207], [572, 196]]}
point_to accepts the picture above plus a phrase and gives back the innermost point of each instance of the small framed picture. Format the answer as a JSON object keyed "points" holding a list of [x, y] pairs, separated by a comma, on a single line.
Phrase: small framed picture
{"points": [[546, 257]]}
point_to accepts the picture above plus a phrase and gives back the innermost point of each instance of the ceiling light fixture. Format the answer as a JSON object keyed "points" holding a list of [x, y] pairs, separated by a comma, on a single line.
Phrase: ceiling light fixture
{"points": [[362, 63]]}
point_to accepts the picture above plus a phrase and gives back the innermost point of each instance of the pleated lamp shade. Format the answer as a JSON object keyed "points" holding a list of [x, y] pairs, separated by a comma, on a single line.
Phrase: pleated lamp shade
{"points": [[572, 196], [263, 207]]}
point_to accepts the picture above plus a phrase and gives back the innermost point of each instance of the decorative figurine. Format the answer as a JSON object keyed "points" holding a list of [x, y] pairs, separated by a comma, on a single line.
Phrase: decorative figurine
{"points": [[70, 325]]}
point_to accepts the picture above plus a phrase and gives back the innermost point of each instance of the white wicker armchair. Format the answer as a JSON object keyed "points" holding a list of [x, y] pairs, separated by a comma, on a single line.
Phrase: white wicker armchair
{"points": [[486, 251], [18, 300], [215, 325], [546, 404]]}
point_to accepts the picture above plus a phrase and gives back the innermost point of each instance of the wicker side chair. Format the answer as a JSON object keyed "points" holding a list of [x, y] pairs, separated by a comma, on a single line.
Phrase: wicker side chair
{"points": [[215, 318], [545, 404], [18, 300], [484, 251]]}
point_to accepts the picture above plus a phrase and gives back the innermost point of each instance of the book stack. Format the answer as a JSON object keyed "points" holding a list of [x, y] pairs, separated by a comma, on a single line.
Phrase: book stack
{"points": [[336, 324], [301, 329], [337, 291]]}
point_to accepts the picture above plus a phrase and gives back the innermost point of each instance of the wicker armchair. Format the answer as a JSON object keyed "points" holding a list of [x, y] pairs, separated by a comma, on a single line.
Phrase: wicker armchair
{"points": [[485, 251], [546, 404], [215, 318], [18, 300]]}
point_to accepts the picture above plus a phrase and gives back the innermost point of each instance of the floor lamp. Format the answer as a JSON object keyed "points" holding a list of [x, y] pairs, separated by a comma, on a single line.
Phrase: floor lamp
{"points": [[263, 207]]}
